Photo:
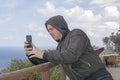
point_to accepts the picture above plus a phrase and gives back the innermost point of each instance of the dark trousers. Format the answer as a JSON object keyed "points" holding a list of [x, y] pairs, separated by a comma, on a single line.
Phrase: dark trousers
{"points": [[101, 74]]}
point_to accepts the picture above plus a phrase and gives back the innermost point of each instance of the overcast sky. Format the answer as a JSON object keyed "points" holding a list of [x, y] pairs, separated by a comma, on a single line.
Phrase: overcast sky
{"points": [[98, 18]]}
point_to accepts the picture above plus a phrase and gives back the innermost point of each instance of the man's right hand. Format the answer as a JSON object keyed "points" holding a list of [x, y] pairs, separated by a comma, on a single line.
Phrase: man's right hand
{"points": [[26, 48]]}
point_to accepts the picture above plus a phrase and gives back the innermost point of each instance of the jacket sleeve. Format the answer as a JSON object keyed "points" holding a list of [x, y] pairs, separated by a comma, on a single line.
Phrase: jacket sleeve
{"points": [[76, 47], [36, 60]]}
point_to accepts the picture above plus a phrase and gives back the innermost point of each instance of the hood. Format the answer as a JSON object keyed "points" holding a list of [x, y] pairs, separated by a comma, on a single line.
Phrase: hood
{"points": [[59, 23]]}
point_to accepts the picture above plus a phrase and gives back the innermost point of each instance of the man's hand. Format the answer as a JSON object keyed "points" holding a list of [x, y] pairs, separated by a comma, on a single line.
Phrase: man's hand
{"points": [[33, 52]]}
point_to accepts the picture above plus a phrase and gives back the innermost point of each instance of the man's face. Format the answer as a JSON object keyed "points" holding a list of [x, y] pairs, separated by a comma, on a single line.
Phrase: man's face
{"points": [[56, 35]]}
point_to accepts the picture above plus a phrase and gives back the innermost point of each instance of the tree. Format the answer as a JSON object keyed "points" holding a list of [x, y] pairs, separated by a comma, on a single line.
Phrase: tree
{"points": [[113, 40], [106, 41]]}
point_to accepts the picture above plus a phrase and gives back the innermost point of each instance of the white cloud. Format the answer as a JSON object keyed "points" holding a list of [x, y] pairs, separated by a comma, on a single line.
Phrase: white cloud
{"points": [[111, 13], [95, 25], [112, 25], [5, 37], [72, 1], [42, 35], [50, 6], [5, 19], [92, 34], [34, 27], [37, 30], [9, 4], [104, 3], [98, 18]]}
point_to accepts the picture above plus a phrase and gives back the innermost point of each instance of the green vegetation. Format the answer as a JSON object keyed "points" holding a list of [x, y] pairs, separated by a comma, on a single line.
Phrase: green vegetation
{"points": [[113, 41], [17, 64]]}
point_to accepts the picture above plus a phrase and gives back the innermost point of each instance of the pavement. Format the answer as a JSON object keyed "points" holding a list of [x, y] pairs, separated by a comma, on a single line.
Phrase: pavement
{"points": [[115, 72]]}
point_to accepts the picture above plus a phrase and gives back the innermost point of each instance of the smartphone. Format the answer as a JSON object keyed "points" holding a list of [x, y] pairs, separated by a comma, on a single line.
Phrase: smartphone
{"points": [[29, 39]]}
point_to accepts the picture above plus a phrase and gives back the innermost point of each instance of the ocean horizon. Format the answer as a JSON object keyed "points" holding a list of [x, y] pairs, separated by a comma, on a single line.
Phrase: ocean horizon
{"points": [[9, 53]]}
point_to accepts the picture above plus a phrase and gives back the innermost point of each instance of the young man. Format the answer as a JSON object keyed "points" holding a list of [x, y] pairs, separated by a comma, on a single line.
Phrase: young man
{"points": [[74, 52]]}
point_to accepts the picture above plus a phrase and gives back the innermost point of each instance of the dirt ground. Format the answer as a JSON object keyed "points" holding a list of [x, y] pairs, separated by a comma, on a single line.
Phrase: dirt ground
{"points": [[115, 72]]}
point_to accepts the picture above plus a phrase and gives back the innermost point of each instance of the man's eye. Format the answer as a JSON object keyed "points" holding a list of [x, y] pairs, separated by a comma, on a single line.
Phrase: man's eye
{"points": [[51, 29]]}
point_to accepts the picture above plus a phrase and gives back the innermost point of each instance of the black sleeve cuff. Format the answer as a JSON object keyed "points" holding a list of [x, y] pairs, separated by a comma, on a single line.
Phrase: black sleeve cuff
{"points": [[36, 61], [45, 57]]}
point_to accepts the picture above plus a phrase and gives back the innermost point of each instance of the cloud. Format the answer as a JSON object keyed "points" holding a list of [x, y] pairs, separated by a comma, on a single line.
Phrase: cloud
{"points": [[94, 24], [104, 3], [49, 9], [5, 37], [37, 30], [111, 13], [34, 27], [5, 19], [72, 1], [111, 25], [10, 4], [98, 18]]}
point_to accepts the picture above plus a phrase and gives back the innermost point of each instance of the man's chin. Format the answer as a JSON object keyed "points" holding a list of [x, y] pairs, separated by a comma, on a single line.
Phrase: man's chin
{"points": [[57, 40]]}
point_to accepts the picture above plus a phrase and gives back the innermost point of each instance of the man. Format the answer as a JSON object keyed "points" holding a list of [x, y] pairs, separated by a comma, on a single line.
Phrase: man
{"points": [[74, 52]]}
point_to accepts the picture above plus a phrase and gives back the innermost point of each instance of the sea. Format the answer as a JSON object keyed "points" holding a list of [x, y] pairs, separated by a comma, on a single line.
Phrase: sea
{"points": [[9, 53]]}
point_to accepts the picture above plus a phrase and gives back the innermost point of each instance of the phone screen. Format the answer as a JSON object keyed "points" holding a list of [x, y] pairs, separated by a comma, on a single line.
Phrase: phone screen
{"points": [[29, 39]]}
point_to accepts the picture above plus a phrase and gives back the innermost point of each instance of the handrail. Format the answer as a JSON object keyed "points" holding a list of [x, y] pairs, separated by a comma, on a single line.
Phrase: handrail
{"points": [[44, 68], [26, 72], [100, 50]]}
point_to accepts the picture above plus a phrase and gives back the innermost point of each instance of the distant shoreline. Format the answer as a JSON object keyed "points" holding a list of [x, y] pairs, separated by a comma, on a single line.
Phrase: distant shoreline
{"points": [[9, 53]]}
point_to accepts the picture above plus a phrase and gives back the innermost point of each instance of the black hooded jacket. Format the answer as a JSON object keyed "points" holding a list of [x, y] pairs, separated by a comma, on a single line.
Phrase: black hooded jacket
{"points": [[74, 51]]}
